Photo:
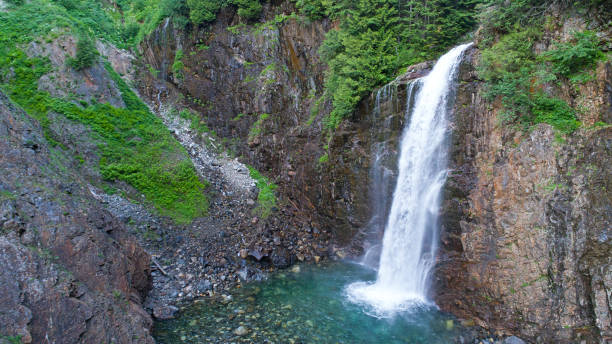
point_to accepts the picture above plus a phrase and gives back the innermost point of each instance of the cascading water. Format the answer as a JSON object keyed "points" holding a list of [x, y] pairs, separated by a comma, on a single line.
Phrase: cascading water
{"points": [[381, 177], [410, 239]]}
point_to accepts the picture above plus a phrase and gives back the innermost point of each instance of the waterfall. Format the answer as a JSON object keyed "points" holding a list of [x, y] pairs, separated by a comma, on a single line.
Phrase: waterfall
{"points": [[380, 176], [410, 238]]}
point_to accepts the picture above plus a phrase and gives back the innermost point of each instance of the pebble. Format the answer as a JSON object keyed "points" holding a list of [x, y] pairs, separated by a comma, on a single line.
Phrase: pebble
{"points": [[204, 285], [241, 331], [513, 340], [244, 253]]}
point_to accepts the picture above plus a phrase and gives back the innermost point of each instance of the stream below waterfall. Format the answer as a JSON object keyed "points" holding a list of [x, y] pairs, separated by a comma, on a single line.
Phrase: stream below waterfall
{"points": [[306, 304]]}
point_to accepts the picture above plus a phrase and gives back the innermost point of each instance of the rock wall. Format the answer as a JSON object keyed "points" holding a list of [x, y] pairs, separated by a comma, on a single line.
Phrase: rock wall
{"points": [[70, 274], [526, 233], [233, 73]]}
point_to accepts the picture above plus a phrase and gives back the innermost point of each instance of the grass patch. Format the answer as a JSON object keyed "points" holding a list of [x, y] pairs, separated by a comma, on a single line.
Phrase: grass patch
{"points": [[324, 159], [266, 200], [11, 339], [238, 117], [7, 195], [135, 147], [196, 123], [124, 23], [178, 65], [257, 127]]}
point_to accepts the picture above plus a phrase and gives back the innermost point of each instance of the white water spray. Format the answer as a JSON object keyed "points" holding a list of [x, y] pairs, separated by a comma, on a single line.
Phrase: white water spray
{"points": [[410, 239]]}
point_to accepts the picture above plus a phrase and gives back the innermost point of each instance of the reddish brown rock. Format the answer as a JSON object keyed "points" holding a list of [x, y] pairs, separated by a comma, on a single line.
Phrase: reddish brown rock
{"points": [[70, 272], [526, 233]]}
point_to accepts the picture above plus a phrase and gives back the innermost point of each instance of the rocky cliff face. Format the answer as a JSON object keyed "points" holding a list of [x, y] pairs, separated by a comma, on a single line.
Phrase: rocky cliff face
{"points": [[526, 234], [235, 73], [70, 274]]}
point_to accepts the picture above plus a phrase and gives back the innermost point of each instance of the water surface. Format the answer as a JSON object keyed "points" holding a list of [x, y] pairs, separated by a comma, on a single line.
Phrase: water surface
{"points": [[305, 306]]}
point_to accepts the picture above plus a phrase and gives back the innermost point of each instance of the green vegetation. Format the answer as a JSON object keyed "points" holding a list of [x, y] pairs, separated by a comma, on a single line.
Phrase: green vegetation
{"points": [[266, 200], [573, 58], [258, 126], [518, 76], [379, 38], [205, 11], [124, 25], [324, 158], [86, 54], [6, 195], [499, 17], [153, 71], [139, 18], [178, 65], [249, 9], [135, 147], [236, 29], [238, 117], [11, 339], [201, 11], [196, 123]]}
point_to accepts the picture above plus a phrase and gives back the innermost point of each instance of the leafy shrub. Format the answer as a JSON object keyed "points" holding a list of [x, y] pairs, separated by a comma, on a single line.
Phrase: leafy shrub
{"points": [[202, 11], [205, 11], [69, 4], [513, 52], [86, 53], [248, 9], [555, 112], [313, 9], [130, 32], [196, 123], [324, 158], [135, 146], [178, 65], [513, 72], [11, 339], [572, 57], [502, 16]]}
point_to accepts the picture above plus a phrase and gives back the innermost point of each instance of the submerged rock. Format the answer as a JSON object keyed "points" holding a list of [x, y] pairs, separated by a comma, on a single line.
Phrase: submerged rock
{"points": [[165, 312], [241, 331]]}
